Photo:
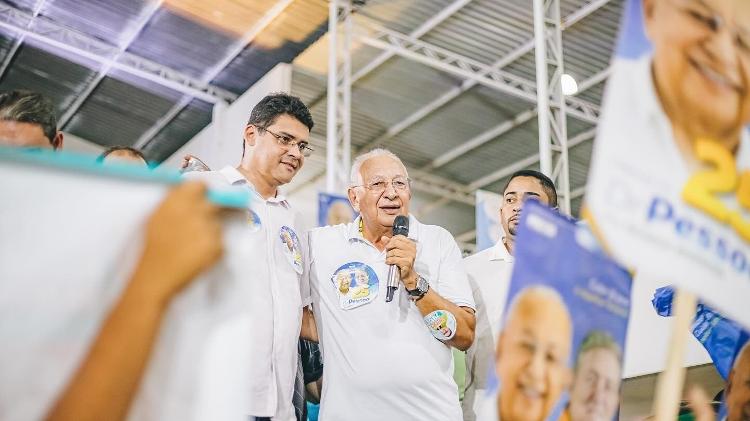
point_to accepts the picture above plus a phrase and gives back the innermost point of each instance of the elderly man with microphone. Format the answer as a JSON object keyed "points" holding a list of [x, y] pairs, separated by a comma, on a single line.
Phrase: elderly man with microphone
{"points": [[386, 350]]}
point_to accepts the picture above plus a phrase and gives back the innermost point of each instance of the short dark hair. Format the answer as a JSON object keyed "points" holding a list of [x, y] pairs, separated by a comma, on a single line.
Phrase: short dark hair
{"points": [[273, 105], [132, 151], [29, 107], [547, 185]]}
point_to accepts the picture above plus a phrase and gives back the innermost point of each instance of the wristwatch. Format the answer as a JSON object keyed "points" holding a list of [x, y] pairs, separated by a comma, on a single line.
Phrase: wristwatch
{"points": [[422, 287]]}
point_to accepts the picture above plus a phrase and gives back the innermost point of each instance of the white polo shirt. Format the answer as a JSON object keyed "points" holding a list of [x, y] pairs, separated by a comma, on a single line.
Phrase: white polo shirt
{"points": [[381, 362], [279, 293], [489, 273]]}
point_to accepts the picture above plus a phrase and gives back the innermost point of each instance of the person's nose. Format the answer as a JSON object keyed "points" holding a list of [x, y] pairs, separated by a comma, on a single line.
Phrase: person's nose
{"points": [[390, 191], [535, 370], [295, 152]]}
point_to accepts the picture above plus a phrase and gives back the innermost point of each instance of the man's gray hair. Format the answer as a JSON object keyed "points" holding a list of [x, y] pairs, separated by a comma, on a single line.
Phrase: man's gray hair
{"points": [[355, 176]]}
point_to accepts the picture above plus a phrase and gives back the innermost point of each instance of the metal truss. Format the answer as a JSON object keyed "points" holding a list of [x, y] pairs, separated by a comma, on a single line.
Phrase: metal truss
{"points": [[424, 28], [467, 84], [65, 39], [143, 20], [339, 90], [552, 104], [214, 71], [458, 192], [19, 39], [467, 68]]}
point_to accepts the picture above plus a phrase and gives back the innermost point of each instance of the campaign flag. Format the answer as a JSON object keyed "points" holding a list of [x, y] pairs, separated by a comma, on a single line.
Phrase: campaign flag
{"points": [[334, 209]]}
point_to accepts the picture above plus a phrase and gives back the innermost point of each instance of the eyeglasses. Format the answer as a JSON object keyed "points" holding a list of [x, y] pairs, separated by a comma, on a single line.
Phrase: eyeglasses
{"points": [[379, 185], [711, 21], [289, 141]]}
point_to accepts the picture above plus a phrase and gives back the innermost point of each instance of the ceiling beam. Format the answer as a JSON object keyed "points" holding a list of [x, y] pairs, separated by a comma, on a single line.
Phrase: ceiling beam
{"points": [[129, 38], [526, 162], [450, 62], [235, 50], [504, 127], [467, 84], [425, 27], [20, 38], [61, 38]]}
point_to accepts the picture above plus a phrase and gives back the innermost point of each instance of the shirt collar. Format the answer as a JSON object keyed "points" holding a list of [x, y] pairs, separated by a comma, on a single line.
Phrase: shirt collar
{"points": [[354, 234], [499, 252], [235, 178]]}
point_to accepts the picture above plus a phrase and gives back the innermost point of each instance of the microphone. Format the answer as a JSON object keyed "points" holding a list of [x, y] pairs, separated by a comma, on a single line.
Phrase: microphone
{"points": [[400, 227]]}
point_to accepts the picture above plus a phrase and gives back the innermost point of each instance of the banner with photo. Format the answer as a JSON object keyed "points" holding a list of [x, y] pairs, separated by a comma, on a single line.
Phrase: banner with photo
{"points": [[489, 228], [566, 315], [334, 209], [669, 184]]}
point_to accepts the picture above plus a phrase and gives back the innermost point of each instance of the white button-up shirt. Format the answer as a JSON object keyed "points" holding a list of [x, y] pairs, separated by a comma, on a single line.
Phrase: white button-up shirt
{"points": [[277, 300], [381, 362], [489, 274]]}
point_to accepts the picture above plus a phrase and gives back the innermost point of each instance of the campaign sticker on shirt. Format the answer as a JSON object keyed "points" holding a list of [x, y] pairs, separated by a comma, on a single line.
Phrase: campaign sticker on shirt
{"points": [[442, 324], [291, 247], [356, 284], [253, 221]]}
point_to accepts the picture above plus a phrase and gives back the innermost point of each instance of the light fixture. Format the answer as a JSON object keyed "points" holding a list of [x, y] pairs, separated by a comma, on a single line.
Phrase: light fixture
{"points": [[568, 84]]}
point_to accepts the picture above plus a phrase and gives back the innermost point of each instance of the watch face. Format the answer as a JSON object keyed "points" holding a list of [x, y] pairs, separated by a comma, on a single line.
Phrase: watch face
{"points": [[422, 285]]}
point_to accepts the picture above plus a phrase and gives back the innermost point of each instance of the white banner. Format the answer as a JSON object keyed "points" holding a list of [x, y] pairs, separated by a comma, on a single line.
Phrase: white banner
{"points": [[70, 239], [669, 187]]}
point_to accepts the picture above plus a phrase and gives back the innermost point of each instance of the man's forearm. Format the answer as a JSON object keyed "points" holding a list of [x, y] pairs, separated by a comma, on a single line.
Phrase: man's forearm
{"points": [[106, 382], [309, 331]]}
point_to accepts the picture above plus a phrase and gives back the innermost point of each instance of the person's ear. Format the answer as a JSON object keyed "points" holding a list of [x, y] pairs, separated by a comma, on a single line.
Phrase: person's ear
{"points": [[353, 198], [251, 132], [57, 142]]}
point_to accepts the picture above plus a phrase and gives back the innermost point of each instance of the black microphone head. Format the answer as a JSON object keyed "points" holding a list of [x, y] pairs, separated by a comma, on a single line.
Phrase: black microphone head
{"points": [[401, 225]]}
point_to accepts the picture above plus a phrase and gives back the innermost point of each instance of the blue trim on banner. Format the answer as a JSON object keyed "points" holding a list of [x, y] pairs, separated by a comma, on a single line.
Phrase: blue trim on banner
{"points": [[81, 163], [632, 42]]}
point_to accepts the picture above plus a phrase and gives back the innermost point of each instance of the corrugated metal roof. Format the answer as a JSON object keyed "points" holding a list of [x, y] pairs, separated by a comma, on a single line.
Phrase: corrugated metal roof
{"points": [[485, 31], [185, 36]]}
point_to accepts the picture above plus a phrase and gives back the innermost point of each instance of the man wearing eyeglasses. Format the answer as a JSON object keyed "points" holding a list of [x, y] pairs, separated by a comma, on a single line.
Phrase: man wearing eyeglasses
{"points": [[275, 144], [388, 360]]}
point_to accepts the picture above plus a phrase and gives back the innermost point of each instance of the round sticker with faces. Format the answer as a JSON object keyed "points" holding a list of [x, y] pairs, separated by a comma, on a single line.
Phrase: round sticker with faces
{"points": [[356, 284], [290, 245]]}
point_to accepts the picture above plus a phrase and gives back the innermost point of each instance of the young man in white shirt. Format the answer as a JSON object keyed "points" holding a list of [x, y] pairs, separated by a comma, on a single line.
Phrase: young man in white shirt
{"points": [[388, 360], [489, 276], [274, 149]]}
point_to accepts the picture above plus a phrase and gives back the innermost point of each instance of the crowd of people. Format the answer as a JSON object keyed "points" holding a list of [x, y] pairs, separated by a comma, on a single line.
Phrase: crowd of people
{"points": [[380, 360]]}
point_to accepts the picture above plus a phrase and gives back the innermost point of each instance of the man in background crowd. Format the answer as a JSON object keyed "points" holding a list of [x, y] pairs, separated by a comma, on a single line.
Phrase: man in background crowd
{"points": [[27, 119], [123, 154], [738, 387], [489, 274]]}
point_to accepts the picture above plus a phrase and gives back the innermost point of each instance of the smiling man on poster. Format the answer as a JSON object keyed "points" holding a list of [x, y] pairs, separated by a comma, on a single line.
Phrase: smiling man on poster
{"points": [[669, 180]]}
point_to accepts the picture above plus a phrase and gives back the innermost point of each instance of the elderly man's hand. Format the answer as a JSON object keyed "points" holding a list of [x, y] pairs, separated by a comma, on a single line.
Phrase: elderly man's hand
{"points": [[402, 252]]}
